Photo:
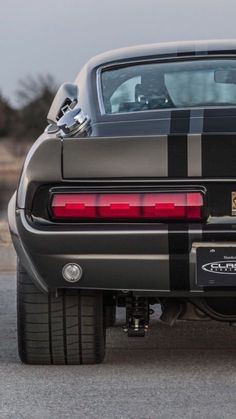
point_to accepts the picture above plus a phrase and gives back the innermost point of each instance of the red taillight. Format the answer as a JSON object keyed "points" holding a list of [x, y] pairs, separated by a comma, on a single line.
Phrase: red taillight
{"points": [[194, 205], [164, 205], [173, 205], [160, 205], [74, 206], [119, 206]]}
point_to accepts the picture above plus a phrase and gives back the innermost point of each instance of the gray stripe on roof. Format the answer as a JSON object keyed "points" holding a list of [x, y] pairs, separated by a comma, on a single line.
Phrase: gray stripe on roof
{"points": [[196, 121]]}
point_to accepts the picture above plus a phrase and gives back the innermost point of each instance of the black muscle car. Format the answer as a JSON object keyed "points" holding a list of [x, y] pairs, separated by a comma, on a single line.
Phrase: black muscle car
{"points": [[129, 199]]}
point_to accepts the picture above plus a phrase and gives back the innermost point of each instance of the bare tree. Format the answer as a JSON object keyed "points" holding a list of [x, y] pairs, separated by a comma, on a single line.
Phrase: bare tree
{"points": [[6, 116], [34, 96], [32, 89]]}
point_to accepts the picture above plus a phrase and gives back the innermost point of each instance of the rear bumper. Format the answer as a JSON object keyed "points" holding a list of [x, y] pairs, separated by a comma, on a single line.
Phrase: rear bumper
{"points": [[144, 258]]}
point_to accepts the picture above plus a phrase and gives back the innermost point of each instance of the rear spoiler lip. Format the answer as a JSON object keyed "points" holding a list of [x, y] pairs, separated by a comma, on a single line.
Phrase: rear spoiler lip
{"points": [[168, 156]]}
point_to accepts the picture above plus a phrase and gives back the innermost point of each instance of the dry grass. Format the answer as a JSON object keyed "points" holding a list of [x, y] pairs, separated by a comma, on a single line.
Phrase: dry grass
{"points": [[12, 154], [5, 238]]}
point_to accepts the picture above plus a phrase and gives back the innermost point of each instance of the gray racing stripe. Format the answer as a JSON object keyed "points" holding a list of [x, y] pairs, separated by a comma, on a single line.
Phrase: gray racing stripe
{"points": [[194, 155], [162, 157]]}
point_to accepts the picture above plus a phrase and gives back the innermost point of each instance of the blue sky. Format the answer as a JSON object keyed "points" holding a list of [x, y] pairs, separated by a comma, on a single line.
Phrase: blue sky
{"points": [[59, 36]]}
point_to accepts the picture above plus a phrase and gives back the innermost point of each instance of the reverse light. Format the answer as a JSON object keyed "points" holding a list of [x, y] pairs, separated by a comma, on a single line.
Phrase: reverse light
{"points": [[157, 206]]}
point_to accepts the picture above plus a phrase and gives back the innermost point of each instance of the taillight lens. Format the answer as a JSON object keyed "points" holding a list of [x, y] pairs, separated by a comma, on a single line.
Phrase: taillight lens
{"points": [[173, 205], [119, 205], [74, 206], [160, 205]]}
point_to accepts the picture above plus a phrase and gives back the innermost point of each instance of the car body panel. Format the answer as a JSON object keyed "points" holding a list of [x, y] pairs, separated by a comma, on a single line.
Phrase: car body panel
{"points": [[191, 149], [173, 156]]}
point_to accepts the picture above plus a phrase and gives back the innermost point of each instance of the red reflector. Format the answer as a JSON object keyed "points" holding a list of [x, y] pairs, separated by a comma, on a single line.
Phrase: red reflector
{"points": [[166, 205]]}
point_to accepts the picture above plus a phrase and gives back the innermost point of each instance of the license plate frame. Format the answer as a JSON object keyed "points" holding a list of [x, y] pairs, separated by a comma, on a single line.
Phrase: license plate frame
{"points": [[216, 266]]}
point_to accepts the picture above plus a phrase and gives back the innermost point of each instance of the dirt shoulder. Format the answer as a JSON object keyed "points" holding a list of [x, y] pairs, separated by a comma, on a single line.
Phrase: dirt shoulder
{"points": [[7, 252], [11, 160]]}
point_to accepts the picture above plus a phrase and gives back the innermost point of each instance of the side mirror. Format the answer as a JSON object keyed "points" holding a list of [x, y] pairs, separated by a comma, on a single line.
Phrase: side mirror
{"points": [[66, 96]]}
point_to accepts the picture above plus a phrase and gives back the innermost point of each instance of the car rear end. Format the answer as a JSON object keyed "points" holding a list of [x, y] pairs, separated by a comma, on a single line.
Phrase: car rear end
{"points": [[130, 222], [140, 212], [151, 231]]}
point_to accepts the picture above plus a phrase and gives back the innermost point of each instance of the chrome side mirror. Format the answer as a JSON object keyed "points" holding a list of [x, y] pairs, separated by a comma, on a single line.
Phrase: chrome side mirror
{"points": [[66, 97], [65, 117]]}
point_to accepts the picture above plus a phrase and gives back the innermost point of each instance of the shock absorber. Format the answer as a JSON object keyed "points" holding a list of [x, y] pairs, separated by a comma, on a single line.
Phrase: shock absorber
{"points": [[137, 316]]}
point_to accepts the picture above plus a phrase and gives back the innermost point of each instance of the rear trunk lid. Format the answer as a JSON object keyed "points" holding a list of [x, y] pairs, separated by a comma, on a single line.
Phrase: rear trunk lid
{"points": [[199, 150]]}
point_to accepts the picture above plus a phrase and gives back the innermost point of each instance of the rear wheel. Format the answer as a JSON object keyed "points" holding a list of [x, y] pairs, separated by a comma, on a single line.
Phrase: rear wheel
{"points": [[67, 329]]}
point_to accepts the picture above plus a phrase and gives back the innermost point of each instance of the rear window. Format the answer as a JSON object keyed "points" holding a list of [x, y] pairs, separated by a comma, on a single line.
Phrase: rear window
{"points": [[180, 84]]}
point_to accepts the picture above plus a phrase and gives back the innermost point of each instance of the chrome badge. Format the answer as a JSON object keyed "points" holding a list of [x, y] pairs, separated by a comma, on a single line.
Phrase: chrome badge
{"points": [[221, 267]]}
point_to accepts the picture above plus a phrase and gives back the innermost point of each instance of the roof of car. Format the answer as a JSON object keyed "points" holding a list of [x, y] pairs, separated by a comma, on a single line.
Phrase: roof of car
{"points": [[207, 47]]}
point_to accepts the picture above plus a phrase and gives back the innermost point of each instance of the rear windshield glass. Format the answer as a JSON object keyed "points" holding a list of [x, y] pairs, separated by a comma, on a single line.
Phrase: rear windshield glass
{"points": [[196, 83]]}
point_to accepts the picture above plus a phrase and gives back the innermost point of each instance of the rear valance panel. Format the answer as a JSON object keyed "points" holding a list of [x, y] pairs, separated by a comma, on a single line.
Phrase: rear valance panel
{"points": [[162, 156]]}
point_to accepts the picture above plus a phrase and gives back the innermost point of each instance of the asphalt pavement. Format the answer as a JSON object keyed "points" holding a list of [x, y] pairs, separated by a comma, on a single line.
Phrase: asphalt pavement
{"points": [[188, 371]]}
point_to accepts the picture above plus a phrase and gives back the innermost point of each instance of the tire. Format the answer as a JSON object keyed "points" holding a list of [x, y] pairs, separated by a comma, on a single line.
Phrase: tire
{"points": [[110, 316], [67, 329]]}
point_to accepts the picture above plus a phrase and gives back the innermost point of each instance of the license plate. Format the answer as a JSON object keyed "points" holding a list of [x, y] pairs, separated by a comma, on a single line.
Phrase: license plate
{"points": [[216, 266]]}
